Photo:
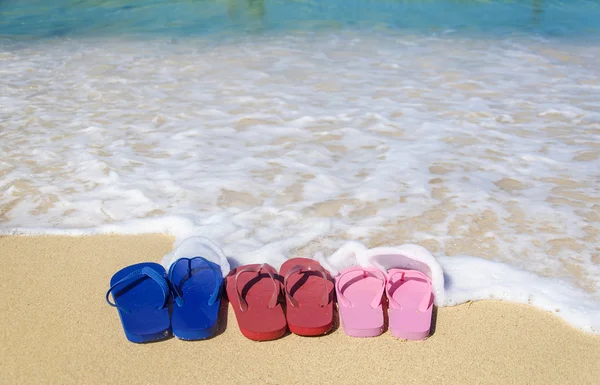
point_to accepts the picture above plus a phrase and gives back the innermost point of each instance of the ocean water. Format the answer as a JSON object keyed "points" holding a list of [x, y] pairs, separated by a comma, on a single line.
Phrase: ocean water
{"points": [[287, 128]]}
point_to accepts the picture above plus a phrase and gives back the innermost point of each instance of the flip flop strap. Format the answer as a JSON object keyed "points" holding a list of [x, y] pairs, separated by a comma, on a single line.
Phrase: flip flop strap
{"points": [[135, 276], [374, 272], [424, 304], [256, 269], [178, 295], [301, 269]]}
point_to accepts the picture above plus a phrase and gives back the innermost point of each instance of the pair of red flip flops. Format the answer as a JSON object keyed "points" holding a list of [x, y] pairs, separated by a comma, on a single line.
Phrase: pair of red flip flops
{"points": [[255, 293]]}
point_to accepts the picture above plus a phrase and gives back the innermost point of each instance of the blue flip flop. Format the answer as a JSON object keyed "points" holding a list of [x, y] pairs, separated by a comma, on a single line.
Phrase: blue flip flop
{"points": [[196, 286], [140, 293]]}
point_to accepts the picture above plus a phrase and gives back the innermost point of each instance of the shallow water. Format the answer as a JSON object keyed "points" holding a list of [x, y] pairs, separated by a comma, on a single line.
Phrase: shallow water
{"points": [[474, 138], [492, 18]]}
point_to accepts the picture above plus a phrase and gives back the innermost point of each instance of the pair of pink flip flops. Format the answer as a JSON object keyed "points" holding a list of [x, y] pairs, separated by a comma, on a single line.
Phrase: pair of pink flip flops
{"points": [[360, 294]]}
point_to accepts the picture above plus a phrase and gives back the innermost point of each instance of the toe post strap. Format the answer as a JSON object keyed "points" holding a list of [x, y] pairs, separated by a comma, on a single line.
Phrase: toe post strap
{"points": [[136, 276]]}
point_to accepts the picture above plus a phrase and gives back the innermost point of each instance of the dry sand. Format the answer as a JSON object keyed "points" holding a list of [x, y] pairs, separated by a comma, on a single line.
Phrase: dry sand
{"points": [[56, 328]]}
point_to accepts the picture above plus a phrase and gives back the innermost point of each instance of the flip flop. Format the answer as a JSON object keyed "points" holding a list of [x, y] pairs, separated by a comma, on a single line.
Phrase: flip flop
{"points": [[140, 294], [410, 300], [253, 291], [196, 286], [360, 292], [308, 291]]}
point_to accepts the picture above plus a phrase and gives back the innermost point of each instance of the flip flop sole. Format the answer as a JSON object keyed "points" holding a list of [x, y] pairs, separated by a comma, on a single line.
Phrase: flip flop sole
{"points": [[409, 321], [309, 289], [144, 322], [197, 280], [258, 322], [357, 290]]}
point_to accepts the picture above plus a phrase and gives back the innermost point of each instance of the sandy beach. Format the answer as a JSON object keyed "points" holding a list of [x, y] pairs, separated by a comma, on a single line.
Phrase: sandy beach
{"points": [[58, 329], [283, 129]]}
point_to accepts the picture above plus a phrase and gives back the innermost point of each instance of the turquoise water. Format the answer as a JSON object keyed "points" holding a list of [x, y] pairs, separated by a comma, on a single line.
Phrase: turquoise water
{"points": [[61, 18]]}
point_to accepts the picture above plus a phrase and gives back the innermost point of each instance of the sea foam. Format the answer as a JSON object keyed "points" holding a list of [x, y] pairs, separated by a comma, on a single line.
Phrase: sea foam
{"points": [[284, 145]]}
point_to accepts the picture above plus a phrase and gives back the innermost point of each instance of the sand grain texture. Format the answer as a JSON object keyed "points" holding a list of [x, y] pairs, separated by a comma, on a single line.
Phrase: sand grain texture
{"points": [[56, 328]]}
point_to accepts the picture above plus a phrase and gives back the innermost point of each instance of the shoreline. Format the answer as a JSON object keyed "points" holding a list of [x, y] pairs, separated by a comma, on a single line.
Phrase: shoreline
{"points": [[57, 328]]}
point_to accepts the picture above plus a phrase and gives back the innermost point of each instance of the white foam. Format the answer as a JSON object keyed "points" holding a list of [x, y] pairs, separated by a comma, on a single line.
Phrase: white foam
{"points": [[281, 145], [406, 256], [412, 257], [473, 279], [197, 246]]}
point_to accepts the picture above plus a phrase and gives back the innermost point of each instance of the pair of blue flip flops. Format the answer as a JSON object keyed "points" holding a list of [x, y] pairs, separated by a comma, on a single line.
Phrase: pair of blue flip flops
{"points": [[142, 294]]}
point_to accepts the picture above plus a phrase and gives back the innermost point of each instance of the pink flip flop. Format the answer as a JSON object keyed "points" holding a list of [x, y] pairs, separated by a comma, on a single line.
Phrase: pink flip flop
{"points": [[359, 293], [410, 299]]}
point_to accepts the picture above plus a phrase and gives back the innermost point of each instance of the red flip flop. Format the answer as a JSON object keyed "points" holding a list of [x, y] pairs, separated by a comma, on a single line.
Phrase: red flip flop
{"points": [[308, 289], [253, 291]]}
